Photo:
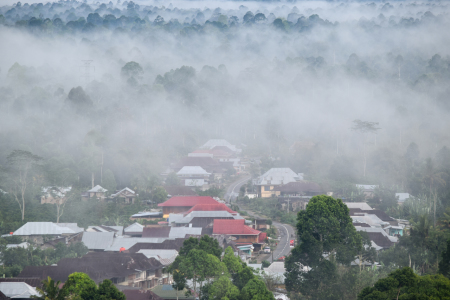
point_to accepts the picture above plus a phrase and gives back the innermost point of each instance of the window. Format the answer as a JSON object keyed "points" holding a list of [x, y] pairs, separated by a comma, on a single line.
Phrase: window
{"points": [[266, 188]]}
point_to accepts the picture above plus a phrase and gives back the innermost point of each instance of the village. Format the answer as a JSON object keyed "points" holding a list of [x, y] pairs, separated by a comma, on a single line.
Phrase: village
{"points": [[136, 257]]}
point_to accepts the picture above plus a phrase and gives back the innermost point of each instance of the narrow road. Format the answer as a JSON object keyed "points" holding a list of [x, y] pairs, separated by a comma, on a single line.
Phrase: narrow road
{"points": [[233, 189]]}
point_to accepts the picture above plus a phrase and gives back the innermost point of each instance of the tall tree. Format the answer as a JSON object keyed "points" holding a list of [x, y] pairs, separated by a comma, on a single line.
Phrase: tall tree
{"points": [[49, 290], [21, 174]]}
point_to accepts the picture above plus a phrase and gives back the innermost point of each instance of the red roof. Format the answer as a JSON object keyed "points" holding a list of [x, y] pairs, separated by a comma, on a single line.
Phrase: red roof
{"points": [[211, 207], [233, 227], [188, 201], [262, 237]]}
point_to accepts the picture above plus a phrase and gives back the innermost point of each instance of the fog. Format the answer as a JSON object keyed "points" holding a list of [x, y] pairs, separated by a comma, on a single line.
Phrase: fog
{"points": [[304, 71]]}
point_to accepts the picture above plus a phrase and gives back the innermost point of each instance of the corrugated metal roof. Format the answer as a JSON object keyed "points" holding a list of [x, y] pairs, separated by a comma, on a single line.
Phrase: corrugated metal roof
{"points": [[42, 228], [181, 232], [73, 226], [360, 205], [135, 227], [127, 243], [97, 189], [233, 227], [277, 176], [98, 240], [18, 290], [161, 253], [192, 170]]}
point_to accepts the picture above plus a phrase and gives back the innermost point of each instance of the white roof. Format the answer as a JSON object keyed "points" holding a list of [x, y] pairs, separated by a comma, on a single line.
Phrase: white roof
{"points": [[44, 228], [104, 228], [98, 240], [360, 205], [367, 187], [127, 243], [192, 170], [374, 229], [369, 219], [57, 190], [277, 176], [135, 227], [123, 190], [175, 217], [181, 232], [277, 270], [219, 142], [159, 253], [194, 182], [401, 197], [73, 226], [97, 189], [17, 290], [24, 245], [205, 214]]}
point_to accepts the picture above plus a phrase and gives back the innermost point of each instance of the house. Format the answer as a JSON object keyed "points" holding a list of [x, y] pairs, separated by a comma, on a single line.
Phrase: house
{"points": [[402, 197], [275, 177], [118, 230], [171, 232], [140, 294], [184, 203], [128, 195], [54, 195], [379, 238], [18, 290], [134, 230], [96, 192], [34, 282], [194, 176], [130, 269], [202, 219], [98, 241], [259, 223], [214, 143], [36, 231], [394, 230], [167, 292], [373, 217], [174, 244], [120, 244], [368, 190], [298, 188], [209, 164], [164, 256], [358, 205], [241, 232]]}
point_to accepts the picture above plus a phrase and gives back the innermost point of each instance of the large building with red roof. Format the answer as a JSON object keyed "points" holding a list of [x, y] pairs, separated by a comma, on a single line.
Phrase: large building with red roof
{"points": [[184, 203], [238, 229]]}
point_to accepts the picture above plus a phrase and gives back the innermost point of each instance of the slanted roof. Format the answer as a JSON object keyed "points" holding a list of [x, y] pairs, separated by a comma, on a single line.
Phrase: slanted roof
{"points": [[211, 207], [160, 253], [34, 282], [118, 230], [73, 226], [206, 214], [299, 187], [192, 170], [43, 228], [188, 201], [133, 228], [360, 205], [277, 176], [125, 190], [127, 243], [156, 232], [181, 232], [233, 227], [148, 214], [219, 142], [379, 236], [97, 189], [176, 244], [23, 245], [15, 290], [140, 295], [98, 240]]}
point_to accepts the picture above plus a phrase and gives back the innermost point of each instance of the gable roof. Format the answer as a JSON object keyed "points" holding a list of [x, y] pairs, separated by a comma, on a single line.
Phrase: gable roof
{"points": [[44, 228], [299, 187], [135, 227], [118, 230], [192, 170], [210, 144], [161, 253], [211, 207], [17, 290], [233, 227], [140, 295], [98, 240], [277, 176], [188, 201], [122, 191], [97, 189]]}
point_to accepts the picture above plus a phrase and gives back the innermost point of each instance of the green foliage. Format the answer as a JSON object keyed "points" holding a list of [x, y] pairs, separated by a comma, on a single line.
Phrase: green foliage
{"points": [[265, 264], [173, 180], [255, 290], [132, 70], [159, 195], [233, 263], [223, 287], [79, 284], [444, 264], [49, 290], [212, 192], [107, 290], [404, 284]]}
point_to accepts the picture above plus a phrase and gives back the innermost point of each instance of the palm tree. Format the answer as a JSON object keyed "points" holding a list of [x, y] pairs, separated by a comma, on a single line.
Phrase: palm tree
{"points": [[49, 291]]}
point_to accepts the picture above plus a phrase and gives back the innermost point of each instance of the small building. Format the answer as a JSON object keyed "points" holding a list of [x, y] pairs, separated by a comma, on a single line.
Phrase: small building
{"points": [[98, 241], [140, 294], [128, 195], [194, 176], [54, 194], [96, 192], [273, 178], [182, 204], [298, 188], [18, 290], [241, 232], [134, 230]]}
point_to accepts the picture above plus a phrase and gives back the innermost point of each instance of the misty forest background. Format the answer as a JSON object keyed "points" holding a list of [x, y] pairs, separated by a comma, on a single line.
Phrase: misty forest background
{"points": [[343, 92]]}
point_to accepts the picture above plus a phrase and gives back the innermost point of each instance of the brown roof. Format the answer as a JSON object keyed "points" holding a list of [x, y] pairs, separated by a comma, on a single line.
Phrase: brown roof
{"points": [[179, 191], [140, 295], [98, 265], [175, 244], [299, 187], [379, 239], [155, 232]]}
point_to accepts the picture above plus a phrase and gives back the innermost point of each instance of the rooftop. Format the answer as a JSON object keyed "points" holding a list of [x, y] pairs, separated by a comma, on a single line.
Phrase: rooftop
{"points": [[277, 176], [125, 190], [133, 228], [219, 142], [233, 227], [140, 295], [192, 170], [188, 201], [211, 207], [97, 189], [47, 228], [98, 240], [19, 290]]}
